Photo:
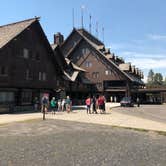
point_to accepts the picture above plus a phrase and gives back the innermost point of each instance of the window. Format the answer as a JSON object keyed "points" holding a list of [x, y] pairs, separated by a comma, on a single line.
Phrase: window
{"points": [[6, 97], [25, 53], [26, 97], [95, 75], [40, 76], [57, 83], [99, 85], [3, 71], [108, 72], [88, 64], [44, 76], [85, 51], [29, 75], [37, 57]]}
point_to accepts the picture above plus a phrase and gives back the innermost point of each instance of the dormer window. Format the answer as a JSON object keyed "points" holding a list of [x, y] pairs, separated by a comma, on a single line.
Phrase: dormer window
{"points": [[88, 64], [85, 51], [95, 75], [108, 72]]}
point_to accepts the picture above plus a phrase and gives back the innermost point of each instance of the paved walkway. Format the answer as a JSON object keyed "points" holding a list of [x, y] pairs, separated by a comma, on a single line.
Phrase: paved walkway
{"points": [[112, 118]]}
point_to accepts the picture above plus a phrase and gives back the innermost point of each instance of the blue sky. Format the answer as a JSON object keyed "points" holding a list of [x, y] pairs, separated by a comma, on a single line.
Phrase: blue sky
{"points": [[134, 29]]}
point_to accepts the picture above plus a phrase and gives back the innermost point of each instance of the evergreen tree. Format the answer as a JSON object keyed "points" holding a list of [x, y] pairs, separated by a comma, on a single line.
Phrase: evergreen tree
{"points": [[164, 82], [158, 79], [150, 79]]}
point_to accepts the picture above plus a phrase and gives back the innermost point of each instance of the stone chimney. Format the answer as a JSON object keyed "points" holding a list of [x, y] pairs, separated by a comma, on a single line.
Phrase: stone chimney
{"points": [[58, 38]]}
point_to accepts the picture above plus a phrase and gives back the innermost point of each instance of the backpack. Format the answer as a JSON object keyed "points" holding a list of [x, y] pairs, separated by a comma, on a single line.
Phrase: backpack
{"points": [[88, 101], [44, 101]]}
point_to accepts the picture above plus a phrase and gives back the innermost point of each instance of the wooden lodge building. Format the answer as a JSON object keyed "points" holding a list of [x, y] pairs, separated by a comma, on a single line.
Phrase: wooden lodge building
{"points": [[30, 66], [105, 72], [78, 66]]}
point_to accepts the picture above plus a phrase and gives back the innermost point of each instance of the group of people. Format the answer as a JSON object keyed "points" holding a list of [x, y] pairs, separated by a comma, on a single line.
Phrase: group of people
{"points": [[54, 105], [93, 104]]}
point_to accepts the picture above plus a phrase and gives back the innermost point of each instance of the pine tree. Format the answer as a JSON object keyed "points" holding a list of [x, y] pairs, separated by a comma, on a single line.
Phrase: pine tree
{"points": [[150, 79], [158, 79], [164, 82]]}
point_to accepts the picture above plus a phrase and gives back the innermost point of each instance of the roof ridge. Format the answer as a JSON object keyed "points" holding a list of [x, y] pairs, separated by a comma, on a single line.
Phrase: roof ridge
{"points": [[35, 18], [91, 35], [104, 56]]}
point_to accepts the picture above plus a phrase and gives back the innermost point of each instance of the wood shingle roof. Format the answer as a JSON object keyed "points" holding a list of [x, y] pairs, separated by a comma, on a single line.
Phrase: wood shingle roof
{"points": [[10, 31], [97, 45]]}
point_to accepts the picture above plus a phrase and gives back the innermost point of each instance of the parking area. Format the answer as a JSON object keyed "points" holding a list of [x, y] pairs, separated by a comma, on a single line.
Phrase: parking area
{"points": [[151, 112]]}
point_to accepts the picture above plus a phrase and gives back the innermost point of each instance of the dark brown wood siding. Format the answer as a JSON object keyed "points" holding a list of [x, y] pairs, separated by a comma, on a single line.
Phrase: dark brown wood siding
{"points": [[70, 43], [98, 66], [39, 60]]}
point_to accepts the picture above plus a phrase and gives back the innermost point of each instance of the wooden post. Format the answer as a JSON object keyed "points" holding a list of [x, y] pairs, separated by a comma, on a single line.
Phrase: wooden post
{"points": [[128, 90], [44, 112]]}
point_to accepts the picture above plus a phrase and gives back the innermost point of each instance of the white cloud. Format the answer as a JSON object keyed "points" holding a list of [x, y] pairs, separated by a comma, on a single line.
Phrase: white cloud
{"points": [[145, 80], [144, 55], [148, 63], [145, 62], [156, 37], [133, 54]]}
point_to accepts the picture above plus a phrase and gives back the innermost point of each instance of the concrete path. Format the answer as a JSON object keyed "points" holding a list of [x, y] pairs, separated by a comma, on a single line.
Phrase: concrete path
{"points": [[112, 118]]}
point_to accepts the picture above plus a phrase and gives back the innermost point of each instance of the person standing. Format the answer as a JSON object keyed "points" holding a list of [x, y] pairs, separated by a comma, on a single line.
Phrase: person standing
{"points": [[138, 102], [44, 103], [63, 105], [36, 104], [88, 104], [53, 105], [94, 105], [59, 105], [104, 104], [68, 104], [100, 102]]}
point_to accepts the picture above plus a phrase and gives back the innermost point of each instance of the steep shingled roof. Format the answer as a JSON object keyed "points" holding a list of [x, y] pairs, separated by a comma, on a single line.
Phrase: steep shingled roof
{"points": [[9, 31], [97, 46]]}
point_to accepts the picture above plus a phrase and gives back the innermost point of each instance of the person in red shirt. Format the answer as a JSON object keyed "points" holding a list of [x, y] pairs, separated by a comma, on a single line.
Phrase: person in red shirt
{"points": [[88, 104], [101, 103]]}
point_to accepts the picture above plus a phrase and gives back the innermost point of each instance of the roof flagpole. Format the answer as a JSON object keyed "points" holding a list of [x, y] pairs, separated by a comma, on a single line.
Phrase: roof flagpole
{"points": [[90, 25], [73, 16], [103, 33], [82, 16], [97, 29]]}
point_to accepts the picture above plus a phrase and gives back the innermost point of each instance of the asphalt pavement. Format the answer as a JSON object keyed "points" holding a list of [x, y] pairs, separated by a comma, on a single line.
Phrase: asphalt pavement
{"points": [[66, 143]]}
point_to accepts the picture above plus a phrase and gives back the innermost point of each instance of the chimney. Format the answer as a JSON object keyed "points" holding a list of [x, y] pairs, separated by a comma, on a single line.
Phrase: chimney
{"points": [[58, 38]]}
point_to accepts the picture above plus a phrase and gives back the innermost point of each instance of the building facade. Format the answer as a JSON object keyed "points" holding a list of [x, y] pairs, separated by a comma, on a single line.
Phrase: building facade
{"points": [[105, 72], [28, 67]]}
